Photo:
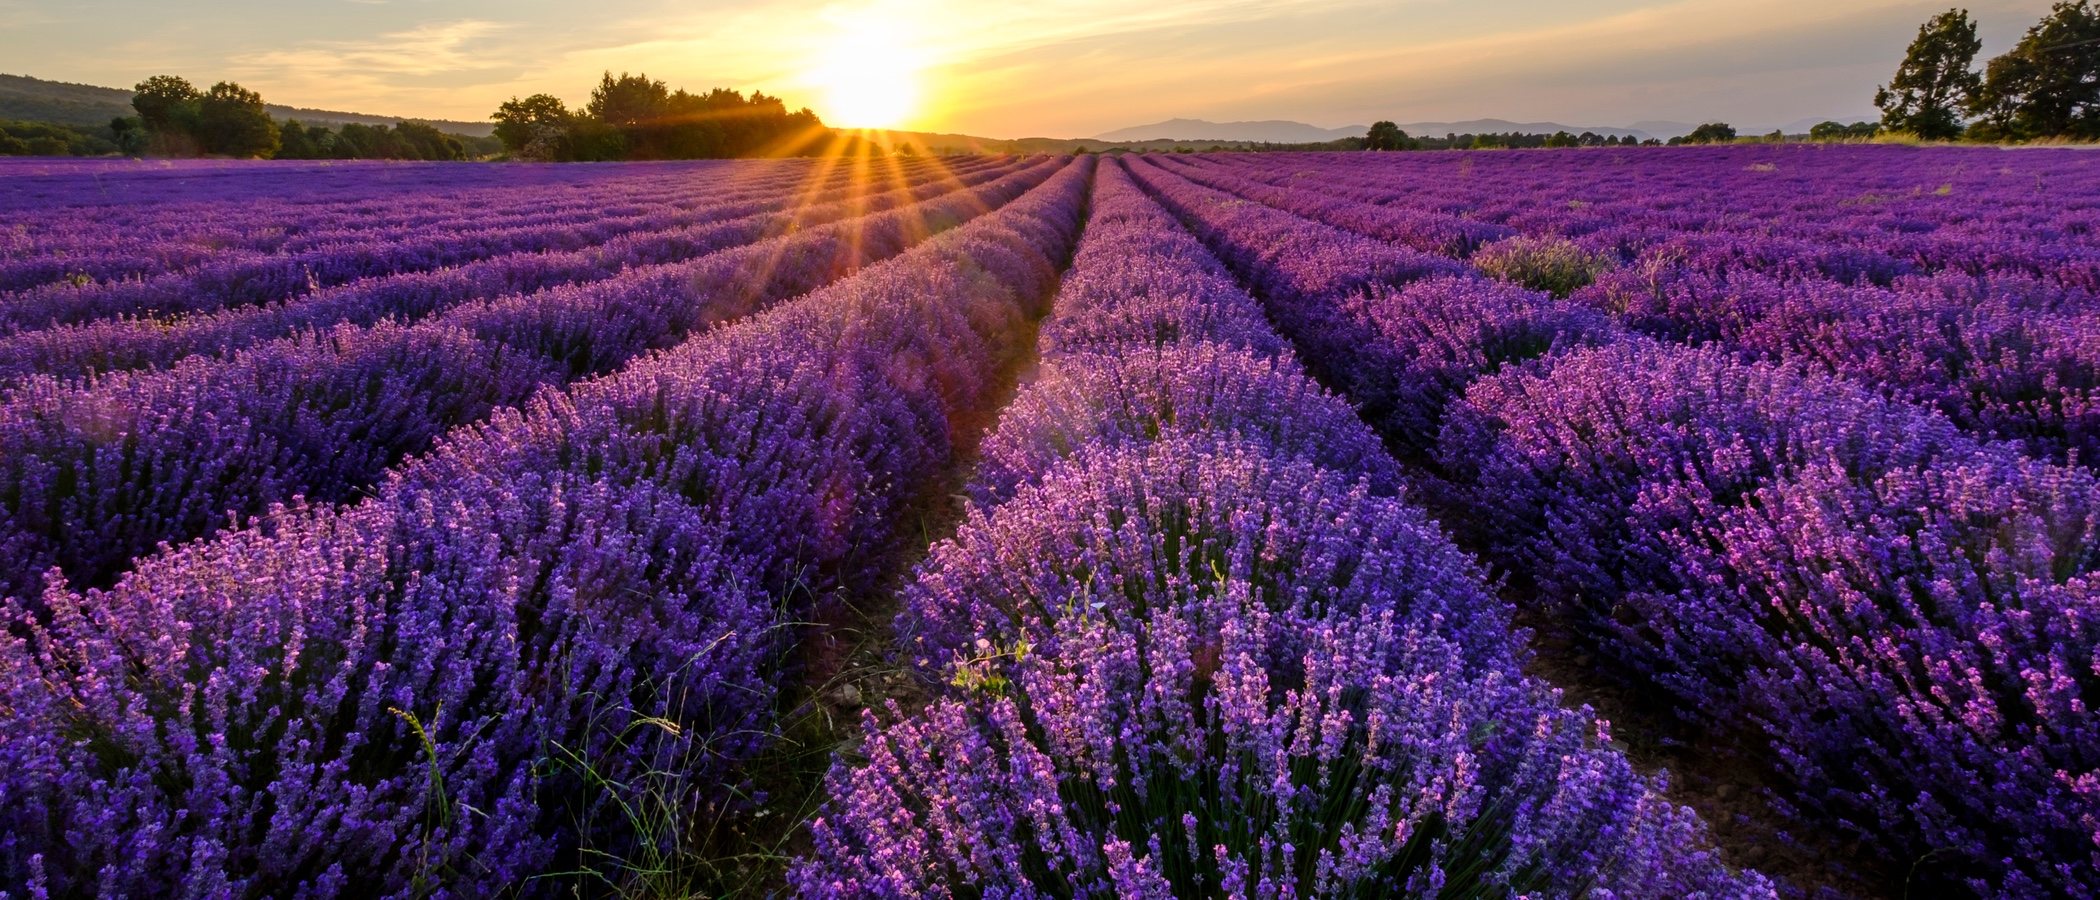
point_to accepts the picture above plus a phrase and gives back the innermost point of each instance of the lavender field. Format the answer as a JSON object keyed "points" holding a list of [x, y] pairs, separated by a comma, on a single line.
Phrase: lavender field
{"points": [[1621, 523]]}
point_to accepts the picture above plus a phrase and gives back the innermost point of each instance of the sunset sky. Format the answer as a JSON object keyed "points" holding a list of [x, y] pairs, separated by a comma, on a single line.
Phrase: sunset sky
{"points": [[1058, 69]]}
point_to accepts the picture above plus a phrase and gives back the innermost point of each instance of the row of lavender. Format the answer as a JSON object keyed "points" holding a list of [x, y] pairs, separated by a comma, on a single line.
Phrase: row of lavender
{"points": [[556, 626], [117, 191], [1896, 618], [1978, 300], [1197, 645], [95, 474], [1847, 212], [105, 345], [604, 232], [68, 243]]}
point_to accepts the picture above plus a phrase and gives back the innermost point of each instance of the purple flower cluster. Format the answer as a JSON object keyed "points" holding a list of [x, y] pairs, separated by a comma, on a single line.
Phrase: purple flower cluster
{"points": [[573, 609], [93, 475], [1967, 287], [402, 530], [94, 274], [1195, 645], [1398, 333], [2004, 356], [1904, 617], [1898, 617]]}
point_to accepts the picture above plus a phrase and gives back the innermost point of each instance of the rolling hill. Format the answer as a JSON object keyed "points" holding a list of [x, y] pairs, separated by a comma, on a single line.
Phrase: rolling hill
{"points": [[89, 106]]}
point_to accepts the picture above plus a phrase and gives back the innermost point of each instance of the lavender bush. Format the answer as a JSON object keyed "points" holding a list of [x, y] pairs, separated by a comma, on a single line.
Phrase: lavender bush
{"points": [[478, 676], [1184, 658]]}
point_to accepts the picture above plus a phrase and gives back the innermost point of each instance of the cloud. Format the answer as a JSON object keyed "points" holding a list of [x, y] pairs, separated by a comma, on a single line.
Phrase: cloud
{"points": [[422, 50], [413, 68], [21, 15]]}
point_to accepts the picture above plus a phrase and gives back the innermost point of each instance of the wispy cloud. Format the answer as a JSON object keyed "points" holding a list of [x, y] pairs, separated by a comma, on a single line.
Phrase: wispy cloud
{"points": [[404, 69], [423, 50], [21, 15]]}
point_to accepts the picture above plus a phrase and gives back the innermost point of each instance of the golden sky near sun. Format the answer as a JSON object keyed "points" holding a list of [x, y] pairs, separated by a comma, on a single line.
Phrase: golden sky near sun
{"points": [[1064, 68]]}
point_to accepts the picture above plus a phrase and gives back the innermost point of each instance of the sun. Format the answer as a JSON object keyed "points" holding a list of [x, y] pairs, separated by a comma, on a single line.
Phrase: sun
{"points": [[867, 78]]}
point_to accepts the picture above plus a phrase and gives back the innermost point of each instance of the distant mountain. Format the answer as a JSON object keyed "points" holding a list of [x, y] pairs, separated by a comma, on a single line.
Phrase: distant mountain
{"points": [[1273, 131], [1663, 131], [36, 100]]}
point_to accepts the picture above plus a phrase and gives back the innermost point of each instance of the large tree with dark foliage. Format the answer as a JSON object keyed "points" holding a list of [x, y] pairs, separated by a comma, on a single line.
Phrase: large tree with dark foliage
{"points": [[167, 107], [1935, 80], [1387, 136], [298, 141], [636, 117], [2047, 85], [176, 119], [179, 120], [1711, 133], [629, 100], [231, 121], [536, 127]]}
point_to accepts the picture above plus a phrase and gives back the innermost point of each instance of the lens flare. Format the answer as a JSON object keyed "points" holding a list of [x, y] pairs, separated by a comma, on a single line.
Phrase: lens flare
{"points": [[868, 77]]}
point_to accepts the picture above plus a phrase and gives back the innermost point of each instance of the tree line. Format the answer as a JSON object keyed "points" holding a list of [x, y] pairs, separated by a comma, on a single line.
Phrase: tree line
{"points": [[19, 138], [175, 118], [634, 117], [2046, 87], [1389, 136]]}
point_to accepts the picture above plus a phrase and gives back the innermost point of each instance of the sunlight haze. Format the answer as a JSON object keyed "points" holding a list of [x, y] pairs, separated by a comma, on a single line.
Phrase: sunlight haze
{"points": [[1068, 69]]}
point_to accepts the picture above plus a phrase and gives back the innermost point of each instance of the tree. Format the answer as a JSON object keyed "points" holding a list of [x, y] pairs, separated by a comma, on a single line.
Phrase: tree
{"points": [[166, 103], [420, 140], [533, 128], [168, 108], [628, 100], [356, 140], [1562, 139], [293, 142], [2047, 85], [231, 121], [1839, 131], [129, 134], [1711, 133], [1935, 80], [1385, 136], [634, 117]]}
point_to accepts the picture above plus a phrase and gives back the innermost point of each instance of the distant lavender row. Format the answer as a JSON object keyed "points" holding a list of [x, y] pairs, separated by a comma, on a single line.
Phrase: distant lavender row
{"points": [[476, 678], [72, 246], [1845, 211], [95, 475], [1196, 647], [116, 187], [1897, 618], [73, 243], [147, 239], [232, 279], [76, 281], [2005, 343], [115, 344]]}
